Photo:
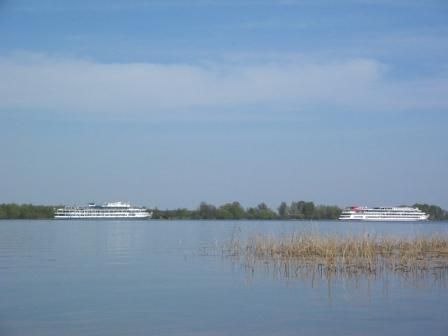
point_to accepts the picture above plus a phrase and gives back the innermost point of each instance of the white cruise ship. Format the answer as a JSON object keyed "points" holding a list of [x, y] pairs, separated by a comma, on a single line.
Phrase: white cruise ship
{"points": [[112, 210], [383, 214]]}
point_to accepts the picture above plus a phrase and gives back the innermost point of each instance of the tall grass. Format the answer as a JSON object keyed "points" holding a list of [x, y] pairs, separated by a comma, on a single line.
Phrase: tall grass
{"points": [[349, 255]]}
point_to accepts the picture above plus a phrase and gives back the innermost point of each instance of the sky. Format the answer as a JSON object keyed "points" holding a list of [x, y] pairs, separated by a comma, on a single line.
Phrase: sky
{"points": [[169, 103]]}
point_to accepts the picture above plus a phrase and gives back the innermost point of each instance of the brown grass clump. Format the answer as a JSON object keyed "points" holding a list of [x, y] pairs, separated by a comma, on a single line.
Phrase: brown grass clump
{"points": [[359, 254]]}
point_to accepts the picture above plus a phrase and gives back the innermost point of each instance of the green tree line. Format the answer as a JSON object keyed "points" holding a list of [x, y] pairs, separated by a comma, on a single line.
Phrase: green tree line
{"points": [[25, 211], [435, 212], [294, 210], [234, 210]]}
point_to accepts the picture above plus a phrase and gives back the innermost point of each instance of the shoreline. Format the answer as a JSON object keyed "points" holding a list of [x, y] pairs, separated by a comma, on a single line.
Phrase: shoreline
{"points": [[301, 210]]}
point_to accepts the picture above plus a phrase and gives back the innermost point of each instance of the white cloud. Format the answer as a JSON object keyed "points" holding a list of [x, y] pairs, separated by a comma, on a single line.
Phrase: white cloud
{"points": [[39, 82]]}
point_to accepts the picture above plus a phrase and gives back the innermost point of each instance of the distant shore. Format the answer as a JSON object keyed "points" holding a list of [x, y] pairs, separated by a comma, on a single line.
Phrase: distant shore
{"points": [[301, 210]]}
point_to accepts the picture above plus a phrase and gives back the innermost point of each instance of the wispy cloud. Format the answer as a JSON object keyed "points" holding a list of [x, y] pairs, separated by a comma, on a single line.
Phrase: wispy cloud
{"points": [[43, 83]]}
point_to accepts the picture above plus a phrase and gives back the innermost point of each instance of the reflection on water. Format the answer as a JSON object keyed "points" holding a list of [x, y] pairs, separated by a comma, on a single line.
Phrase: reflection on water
{"points": [[316, 275], [167, 278], [119, 239]]}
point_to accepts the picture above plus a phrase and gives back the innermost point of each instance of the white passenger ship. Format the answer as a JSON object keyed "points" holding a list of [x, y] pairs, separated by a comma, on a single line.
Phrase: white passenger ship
{"points": [[383, 214], [111, 210]]}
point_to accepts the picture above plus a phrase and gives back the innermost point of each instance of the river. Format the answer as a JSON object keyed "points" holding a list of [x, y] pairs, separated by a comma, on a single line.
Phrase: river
{"points": [[153, 277]]}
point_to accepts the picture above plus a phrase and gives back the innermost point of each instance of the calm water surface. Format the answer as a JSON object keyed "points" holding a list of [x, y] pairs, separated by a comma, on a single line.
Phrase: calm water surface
{"points": [[160, 278]]}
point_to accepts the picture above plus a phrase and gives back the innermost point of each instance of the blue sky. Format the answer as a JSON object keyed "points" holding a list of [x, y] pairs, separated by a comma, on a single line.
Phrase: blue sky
{"points": [[170, 103]]}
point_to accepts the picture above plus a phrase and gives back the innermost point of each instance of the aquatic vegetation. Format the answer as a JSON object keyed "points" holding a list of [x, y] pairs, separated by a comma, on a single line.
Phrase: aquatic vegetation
{"points": [[299, 254]]}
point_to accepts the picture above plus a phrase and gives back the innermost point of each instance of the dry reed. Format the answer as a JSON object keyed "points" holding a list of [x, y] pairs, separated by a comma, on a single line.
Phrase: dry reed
{"points": [[349, 255]]}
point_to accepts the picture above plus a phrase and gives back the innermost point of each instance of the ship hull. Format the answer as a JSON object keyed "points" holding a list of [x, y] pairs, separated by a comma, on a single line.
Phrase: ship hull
{"points": [[383, 219], [101, 217]]}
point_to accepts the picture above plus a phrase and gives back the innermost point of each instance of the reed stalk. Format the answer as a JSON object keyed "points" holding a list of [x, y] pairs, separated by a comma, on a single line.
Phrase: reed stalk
{"points": [[357, 254]]}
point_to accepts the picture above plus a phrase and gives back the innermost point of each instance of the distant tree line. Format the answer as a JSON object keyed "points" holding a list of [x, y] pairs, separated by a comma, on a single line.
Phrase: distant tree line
{"points": [[294, 210], [234, 210], [307, 210], [25, 211], [435, 212]]}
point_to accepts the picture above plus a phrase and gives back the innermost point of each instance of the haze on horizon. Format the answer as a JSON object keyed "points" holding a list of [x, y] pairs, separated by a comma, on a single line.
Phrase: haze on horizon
{"points": [[170, 103]]}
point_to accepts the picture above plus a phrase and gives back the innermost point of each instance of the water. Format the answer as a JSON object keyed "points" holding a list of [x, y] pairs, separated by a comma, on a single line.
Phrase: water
{"points": [[165, 278]]}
